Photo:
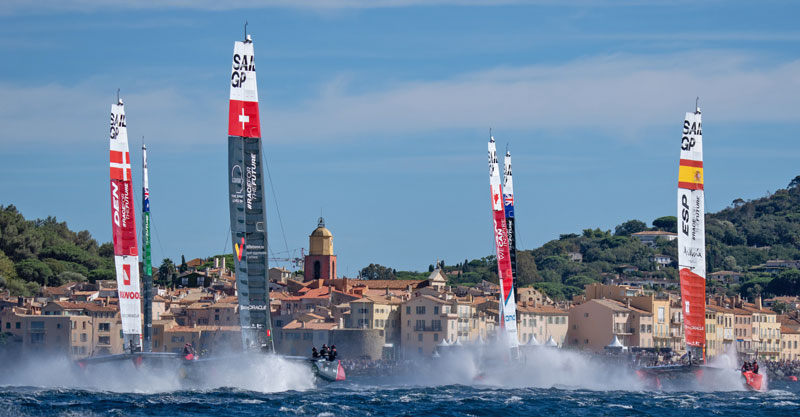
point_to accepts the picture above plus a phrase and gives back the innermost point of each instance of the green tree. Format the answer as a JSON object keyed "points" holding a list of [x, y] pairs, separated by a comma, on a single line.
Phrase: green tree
{"points": [[166, 272], [34, 270], [100, 275], [794, 182], [666, 223], [630, 227], [183, 268]]}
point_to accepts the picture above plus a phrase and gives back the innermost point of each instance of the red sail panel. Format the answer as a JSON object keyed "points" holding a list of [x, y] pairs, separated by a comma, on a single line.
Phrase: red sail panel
{"points": [[243, 119], [693, 300], [503, 256], [123, 223]]}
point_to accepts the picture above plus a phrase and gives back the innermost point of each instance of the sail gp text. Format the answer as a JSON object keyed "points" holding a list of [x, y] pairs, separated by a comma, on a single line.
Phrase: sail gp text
{"points": [[241, 64]]}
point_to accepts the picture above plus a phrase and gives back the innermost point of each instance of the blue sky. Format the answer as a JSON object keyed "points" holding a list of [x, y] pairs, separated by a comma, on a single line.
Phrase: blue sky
{"points": [[377, 114]]}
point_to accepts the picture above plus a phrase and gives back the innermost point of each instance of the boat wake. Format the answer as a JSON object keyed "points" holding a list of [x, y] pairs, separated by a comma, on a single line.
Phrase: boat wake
{"points": [[260, 373]]}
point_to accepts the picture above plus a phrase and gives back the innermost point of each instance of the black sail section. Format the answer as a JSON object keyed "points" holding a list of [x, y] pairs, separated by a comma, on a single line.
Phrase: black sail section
{"points": [[249, 235]]}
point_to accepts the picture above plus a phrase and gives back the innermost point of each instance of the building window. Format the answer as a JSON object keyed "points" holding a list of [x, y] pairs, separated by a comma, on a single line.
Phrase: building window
{"points": [[419, 337], [104, 327], [317, 268], [408, 310], [420, 326], [37, 338], [436, 310], [436, 337], [587, 314], [17, 325], [420, 309], [104, 340], [84, 337]]}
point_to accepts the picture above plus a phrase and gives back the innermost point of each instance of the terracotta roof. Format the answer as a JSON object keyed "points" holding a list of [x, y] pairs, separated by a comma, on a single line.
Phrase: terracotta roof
{"points": [[654, 233], [616, 306], [392, 284], [546, 310], [720, 309], [790, 329]]}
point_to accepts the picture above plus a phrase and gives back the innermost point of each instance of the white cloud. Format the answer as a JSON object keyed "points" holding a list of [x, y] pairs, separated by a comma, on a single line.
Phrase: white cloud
{"points": [[620, 95], [57, 6]]}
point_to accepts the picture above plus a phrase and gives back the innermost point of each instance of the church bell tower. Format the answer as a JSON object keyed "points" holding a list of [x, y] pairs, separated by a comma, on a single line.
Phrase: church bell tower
{"points": [[320, 262]]}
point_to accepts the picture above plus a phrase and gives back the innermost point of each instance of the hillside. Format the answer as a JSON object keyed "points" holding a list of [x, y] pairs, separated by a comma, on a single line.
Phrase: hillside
{"points": [[738, 238], [40, 252]]}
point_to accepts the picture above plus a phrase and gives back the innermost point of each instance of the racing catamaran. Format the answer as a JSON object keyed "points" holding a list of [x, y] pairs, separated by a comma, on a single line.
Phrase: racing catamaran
{"points": [[692, 260], [508, 306], [123, 224], [248, 221]]}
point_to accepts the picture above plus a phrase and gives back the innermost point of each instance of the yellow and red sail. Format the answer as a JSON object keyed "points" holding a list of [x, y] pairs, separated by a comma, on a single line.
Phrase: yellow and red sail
{"points": [[691, 230]]}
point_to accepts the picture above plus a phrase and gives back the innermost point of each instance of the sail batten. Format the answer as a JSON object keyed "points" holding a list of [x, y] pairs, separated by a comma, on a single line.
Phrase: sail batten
{"points": [[246, 200], [691, 230], [123, 223], [508, 307]]}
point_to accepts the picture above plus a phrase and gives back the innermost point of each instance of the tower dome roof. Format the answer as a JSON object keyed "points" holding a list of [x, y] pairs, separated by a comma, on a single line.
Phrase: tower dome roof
{"points": [[321, 231]]}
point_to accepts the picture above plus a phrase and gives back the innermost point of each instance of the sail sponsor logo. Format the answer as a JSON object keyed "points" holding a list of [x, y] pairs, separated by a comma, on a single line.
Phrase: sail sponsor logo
{"points": [[115, 202], [241, 64], [129, 295], [117, 121], [690, 129], [239, 249], [251, 181], [126, 274], [693, 252], [492, 162], [511, 318]]}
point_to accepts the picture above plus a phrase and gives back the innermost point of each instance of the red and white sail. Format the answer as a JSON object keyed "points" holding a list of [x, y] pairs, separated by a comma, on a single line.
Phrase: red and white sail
{"points": [[243, 106], [508, 305], [691, 230], [123, 224]]}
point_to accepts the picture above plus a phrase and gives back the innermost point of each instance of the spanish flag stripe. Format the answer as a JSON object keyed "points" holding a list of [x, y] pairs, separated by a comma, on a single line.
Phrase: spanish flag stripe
{"points": [[690, 185], [691, 163]]}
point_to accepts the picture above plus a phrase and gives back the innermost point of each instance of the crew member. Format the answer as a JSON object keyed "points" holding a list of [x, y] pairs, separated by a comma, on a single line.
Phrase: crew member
{"points": [[332, 354], [755, 367], [324, 351], [314, 353]]}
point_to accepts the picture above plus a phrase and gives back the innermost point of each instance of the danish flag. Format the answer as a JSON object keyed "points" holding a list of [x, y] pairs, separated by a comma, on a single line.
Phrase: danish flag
{"points": [[120, 165]]}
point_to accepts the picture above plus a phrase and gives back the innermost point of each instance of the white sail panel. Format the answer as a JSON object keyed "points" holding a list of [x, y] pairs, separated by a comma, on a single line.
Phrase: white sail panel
{"points": [[129, 293]]}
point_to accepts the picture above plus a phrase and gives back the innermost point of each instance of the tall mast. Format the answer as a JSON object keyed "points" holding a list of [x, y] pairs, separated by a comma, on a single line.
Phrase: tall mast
{"points": [[691, 233], [246, 198], [123, 224], [508, 203], [508, 307], [147, 267]]}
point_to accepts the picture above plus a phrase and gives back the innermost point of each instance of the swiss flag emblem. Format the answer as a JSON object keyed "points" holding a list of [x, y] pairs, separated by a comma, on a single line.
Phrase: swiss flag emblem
{"points": [[243, 119]]}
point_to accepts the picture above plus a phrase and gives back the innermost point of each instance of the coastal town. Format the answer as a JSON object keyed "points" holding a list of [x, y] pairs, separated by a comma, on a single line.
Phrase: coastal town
{"points": [[393, 319]]}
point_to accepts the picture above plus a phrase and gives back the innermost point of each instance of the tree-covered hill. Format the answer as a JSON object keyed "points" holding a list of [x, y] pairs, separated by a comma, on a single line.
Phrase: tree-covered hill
{"points": [[738, 238], [41, 252]]}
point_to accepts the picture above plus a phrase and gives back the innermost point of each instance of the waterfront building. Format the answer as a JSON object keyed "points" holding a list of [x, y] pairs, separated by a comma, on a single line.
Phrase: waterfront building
{"points": [[542, 322], [790, 343]]}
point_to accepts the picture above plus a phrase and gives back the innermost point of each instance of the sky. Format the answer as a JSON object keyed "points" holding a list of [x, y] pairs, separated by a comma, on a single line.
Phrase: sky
{"points": [[375, 115]]}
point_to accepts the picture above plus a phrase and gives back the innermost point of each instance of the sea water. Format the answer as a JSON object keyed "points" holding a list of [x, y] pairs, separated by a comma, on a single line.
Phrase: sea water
{"points": [[544, 383]]}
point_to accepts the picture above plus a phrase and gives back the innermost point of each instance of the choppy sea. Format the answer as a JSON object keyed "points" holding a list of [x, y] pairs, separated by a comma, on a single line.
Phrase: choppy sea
{"points": [[548, 383], [357, 399]]}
